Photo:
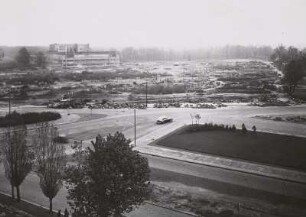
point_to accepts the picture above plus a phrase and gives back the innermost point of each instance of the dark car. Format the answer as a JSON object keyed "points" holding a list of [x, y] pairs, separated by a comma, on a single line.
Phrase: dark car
{"points": [[163, 120]]}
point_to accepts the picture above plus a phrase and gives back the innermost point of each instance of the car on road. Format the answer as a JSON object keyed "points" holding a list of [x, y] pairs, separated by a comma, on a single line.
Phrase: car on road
{"points": [[163, 120]]}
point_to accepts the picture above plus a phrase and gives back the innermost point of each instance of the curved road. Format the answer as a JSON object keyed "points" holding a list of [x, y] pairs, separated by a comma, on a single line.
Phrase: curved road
{"points": [[123, 120]]}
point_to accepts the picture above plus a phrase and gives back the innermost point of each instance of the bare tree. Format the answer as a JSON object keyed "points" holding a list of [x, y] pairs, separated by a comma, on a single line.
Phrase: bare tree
{"points": [[51, 160], [191, 116], [18, 158]]}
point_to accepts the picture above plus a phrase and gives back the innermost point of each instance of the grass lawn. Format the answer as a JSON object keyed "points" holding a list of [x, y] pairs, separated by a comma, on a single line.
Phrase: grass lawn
{"points": [[266, 148]]}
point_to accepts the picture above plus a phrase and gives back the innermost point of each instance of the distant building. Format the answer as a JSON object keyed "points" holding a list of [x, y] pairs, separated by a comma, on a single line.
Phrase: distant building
{"points": [[70, 48], [81, 56]]}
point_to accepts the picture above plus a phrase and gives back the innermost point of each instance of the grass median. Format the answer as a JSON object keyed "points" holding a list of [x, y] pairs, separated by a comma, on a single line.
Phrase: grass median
{"points": [[266, 148]]}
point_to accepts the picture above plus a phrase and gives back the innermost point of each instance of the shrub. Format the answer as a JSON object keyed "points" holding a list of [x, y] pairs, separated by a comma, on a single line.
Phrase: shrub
{"points": [[61, 140], [12, 119], [210, 127], [15, 118]]}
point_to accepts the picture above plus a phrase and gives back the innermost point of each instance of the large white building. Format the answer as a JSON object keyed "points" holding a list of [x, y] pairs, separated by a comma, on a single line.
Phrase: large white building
{"points": [[81, 56]]}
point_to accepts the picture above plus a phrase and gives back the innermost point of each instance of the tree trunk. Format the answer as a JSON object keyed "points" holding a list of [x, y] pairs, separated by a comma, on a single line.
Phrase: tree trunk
{"points": [[50, 207], [293, 88], [13, 191], [18, 193], [117, 214]]}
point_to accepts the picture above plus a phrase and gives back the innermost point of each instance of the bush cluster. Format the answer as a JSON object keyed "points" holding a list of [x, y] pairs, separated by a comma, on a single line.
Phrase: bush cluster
{"points": [[61, 140], [160, 89], [210, 127], [15, 118]]}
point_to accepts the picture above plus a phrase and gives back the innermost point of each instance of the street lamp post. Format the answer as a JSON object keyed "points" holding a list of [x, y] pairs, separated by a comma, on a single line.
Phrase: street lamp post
{"points": [[135, 127], [146, 94], [9, 101]]}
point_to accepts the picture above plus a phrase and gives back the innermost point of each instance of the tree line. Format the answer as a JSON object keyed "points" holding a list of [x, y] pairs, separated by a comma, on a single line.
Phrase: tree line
{"points": [[292, 62], [226, 52], [106, 179], [24, 60]]}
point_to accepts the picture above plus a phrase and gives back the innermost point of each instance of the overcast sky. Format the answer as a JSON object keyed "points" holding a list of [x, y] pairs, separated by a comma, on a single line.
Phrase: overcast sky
{"points": [[160, 23]]}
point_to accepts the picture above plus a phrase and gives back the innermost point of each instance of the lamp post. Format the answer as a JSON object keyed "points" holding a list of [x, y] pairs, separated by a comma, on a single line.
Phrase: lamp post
{"points": [[134, 127], [9, 101], [146, 94]]}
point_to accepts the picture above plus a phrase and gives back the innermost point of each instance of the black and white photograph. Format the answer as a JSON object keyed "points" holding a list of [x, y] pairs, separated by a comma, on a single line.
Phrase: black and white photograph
{"points": [[153, 108]]}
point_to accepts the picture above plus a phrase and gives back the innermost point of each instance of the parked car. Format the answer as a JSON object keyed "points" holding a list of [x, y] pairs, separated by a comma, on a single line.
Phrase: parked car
{"points": [[163, 120]]}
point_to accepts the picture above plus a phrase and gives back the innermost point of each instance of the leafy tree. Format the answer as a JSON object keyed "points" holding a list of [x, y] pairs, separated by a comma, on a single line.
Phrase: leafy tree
{"points": [[280, 57], [197, 117], [110, 180], [50, 160], [292, 63], [41, 60], [18, 158], [23, 58], [293, 53], [293, 73]]}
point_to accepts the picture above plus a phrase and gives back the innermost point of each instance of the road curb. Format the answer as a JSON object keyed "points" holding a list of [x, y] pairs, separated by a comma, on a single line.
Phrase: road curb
{"points": [[172, 209]]}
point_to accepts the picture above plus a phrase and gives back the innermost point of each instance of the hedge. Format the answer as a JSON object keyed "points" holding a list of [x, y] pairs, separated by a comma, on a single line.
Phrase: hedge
{"points": [[15, 118]]}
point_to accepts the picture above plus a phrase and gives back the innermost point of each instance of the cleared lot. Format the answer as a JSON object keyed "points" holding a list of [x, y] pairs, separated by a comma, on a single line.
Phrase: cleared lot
{"points": [[266, 148]]}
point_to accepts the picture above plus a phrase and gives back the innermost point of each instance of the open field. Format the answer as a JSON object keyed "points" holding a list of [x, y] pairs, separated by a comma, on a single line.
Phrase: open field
{"points": [[266, 148], [204, 81]]}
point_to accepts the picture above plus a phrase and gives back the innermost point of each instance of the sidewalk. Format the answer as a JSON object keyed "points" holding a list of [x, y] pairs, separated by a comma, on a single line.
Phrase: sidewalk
{"points": [[24, 209]]}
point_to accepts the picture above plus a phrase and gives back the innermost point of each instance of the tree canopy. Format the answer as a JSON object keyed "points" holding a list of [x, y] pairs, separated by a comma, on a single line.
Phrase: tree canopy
{"points": [[51, 160], [41, 60], [18, 158], [292, 62], [112, 178], [23, 58], [293, 73]]}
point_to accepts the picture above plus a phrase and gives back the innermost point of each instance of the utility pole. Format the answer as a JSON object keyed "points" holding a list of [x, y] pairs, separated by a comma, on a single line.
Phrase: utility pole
{"points": [[66, 57], [9, 101], [146, 94], [135, 127], [11, 146]]}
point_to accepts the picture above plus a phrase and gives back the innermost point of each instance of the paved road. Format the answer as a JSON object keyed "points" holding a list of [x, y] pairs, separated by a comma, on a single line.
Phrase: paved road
{"points": [[167, 170], [122, 120], [31, 192], [204, 176]]}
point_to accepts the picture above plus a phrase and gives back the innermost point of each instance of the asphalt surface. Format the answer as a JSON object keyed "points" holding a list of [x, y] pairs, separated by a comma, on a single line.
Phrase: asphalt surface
{"points": [[123, 120], [168, 170], [31, 192]]}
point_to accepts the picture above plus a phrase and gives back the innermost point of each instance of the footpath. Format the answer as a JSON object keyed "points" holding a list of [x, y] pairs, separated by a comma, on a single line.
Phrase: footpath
{"points": [[11, 208]]}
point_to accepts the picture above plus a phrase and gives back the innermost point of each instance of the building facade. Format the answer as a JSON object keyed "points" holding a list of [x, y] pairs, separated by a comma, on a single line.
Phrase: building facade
{"points": [[81, 56]]}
